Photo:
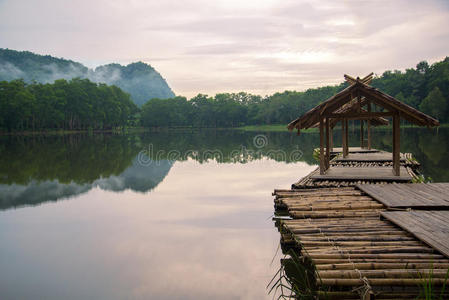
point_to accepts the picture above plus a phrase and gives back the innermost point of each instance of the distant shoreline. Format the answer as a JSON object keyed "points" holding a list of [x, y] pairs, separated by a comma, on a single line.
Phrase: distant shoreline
{"points": [[248, 128]]}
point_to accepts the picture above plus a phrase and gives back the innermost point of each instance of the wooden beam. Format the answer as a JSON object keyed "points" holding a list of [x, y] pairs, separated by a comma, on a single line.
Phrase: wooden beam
{"points": [[359, 102], [392, 104], [396, 145], [322, 166], [331, 139], [360, 115], [328, 153]]}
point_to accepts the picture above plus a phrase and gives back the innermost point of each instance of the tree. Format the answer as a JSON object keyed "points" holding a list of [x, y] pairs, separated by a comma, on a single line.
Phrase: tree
{"points": [[435, 104]]}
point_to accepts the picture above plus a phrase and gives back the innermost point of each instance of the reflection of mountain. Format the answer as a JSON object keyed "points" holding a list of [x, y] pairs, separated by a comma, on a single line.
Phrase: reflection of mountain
{"points": [[136, 177]]}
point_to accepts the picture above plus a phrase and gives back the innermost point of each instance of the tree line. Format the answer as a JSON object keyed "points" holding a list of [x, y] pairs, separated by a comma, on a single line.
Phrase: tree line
{"points": [[81, 104], [425, 88], [77, 104]]}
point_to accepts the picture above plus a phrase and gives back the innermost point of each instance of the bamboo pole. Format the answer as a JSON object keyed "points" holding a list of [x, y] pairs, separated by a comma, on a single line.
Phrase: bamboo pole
{"points": [[395, 273], [378, 281], [382, 265]]}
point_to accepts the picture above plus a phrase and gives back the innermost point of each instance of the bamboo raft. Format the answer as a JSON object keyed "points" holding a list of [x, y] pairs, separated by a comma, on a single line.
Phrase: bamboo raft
{"points": [[349, 252]]}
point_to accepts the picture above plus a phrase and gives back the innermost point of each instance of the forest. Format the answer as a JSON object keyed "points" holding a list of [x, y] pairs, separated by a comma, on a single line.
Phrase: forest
{"points": [[80, 104]]}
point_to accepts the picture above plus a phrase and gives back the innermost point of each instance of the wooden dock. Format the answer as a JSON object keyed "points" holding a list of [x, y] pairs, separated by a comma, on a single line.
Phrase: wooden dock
{"points": [[354, 242]]}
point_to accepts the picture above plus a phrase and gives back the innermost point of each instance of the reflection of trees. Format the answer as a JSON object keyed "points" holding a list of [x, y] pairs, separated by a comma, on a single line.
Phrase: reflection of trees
{"points": [[230, 146], [77, 158]]}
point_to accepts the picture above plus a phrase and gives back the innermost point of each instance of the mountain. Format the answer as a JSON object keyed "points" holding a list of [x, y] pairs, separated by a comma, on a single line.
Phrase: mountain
{"points": [[138, 79]]}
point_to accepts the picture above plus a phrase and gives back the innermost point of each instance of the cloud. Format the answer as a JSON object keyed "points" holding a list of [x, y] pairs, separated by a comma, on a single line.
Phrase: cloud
{"points": [[256, 46]]}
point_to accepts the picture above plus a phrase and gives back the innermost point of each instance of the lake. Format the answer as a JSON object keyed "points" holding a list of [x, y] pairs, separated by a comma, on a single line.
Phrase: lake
{"points": [[162, 215]]}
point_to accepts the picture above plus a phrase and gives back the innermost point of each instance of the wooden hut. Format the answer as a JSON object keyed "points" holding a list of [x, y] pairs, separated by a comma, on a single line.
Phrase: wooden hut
{"points": [[359, 101]]}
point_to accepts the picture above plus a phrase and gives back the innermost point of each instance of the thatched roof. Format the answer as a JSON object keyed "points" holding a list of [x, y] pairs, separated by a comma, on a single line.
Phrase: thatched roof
{"points": [[339, 103]]}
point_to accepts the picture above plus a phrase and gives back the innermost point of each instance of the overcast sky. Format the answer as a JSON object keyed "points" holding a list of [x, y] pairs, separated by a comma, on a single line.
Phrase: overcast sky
{"points": [[210, 46]]}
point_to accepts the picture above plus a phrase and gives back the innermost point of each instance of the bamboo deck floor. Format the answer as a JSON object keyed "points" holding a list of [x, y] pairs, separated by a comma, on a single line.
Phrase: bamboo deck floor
{"points": [[360, 172], [363, 173], [417, 195], [349, 251], [380, 156]]}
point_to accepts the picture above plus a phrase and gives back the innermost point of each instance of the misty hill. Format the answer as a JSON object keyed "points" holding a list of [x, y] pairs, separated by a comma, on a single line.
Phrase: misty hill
{"points": [[140, 80]]}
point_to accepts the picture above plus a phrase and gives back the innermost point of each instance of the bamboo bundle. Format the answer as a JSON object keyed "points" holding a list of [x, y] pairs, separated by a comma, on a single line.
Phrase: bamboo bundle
{"points": [[338, 206], [360, 237], [334, 214], [331, 233], [378, 281], [391, 273], [349, 243], [324, 261], [383, 265], [378, 250], [380, 255]]}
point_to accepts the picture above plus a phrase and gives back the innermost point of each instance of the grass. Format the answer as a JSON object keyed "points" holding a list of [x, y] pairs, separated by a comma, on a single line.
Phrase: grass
{"points": [[293, 280], [427, 289]]}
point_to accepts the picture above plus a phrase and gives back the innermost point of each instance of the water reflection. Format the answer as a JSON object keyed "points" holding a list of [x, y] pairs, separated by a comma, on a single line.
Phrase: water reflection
{"points": [[186, 229], [37, 169], [205, 232]]}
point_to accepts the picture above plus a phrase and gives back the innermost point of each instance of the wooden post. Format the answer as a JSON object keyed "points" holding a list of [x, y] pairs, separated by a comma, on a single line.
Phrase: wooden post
{"points": [[396, 145], [331, 139], [369, 126], [362, 142], [322, 166], [328, 154], [346, 150]]}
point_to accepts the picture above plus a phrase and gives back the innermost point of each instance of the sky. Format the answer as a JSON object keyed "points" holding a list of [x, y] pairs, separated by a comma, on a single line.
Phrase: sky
{"points": [[211, 46]]}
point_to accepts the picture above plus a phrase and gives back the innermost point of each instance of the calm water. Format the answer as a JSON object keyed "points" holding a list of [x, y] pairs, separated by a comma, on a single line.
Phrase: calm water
{"points": [[156, 216]]}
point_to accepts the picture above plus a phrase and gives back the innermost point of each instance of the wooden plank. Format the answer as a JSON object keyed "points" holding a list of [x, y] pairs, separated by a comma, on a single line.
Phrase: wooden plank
{"points": [[428, 226], [417, 195], [362, 173], [337, 150]]}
